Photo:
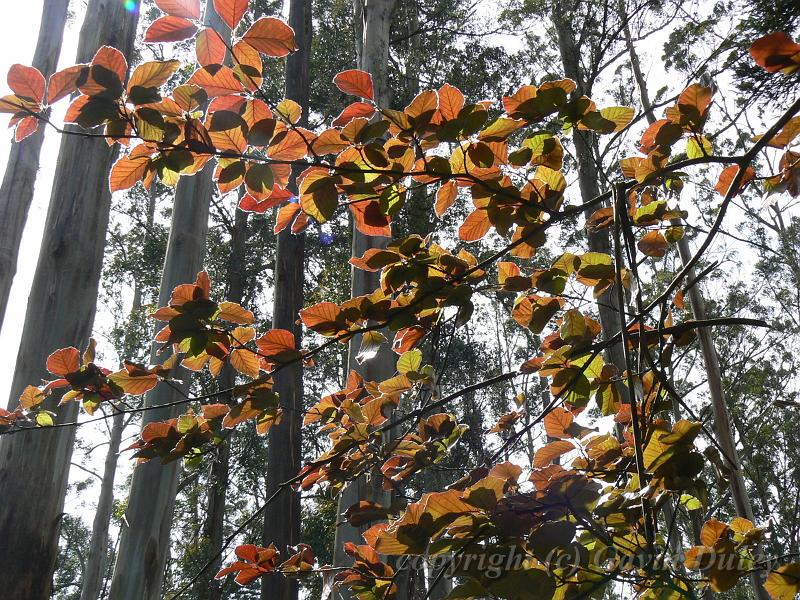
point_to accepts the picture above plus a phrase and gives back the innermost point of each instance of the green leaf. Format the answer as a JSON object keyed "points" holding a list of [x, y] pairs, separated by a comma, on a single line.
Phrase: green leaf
{"points": [[410, 361]]}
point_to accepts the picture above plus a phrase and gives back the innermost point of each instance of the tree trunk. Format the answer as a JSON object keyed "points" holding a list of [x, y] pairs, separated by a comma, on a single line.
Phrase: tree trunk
{"points": [[96, 559], [16, 192], [34, 465], [282, 516], [213, 526], [144, 547], [373, 58], [588, 176], [92, 585]]}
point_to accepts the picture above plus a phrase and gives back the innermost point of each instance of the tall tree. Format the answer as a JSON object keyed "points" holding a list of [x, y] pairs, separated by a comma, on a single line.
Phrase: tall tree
{"points": [[373, 20], [96, 559], [16, 191], [61, 308], [282, 517], [144, 547]]}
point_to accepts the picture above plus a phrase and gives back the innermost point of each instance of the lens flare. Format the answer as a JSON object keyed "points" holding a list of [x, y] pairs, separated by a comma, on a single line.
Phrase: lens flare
{"points": [[325, 238], [130, 5]]}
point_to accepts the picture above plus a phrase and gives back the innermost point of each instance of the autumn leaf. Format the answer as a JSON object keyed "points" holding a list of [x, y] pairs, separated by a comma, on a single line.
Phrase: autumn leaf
{"points": [[231, 11], [271, 36], [26, 82], [64, 361], [169, 29], [728, 175], [210, 49], [776, 52], [654, 244], [189, 9], [355, 83]]}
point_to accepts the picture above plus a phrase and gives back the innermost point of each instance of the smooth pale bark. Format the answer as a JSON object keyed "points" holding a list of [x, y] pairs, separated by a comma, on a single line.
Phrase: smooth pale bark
{"points": [[144, 547], [373, 57], [208, 588], [96, 560], [34, 465], [16, 192], [282, 516], [588, 176], [92, 584]]}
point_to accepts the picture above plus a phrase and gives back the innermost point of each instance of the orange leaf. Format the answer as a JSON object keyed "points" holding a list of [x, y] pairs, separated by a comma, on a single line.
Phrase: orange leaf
{"points": [[64, 361], [451, 101], [169, 29], [550, 452], [63, 83], [209, 48], [355, 83], [370, 220], [271, 36], [231, 11], [26, 127], [445, 197], [26, 82], [776, 52], [728, 175], [153, 74], [286, 215], [356, 109], [235, 313], [321, 318], [557, 421], [189, 9], [475, 226], [127, 171], [246, 362], [216, 80], [654, 244]]}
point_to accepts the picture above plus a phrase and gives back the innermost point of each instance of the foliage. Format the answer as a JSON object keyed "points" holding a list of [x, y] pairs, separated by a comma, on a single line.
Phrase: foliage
{"points": [[587, 514]]}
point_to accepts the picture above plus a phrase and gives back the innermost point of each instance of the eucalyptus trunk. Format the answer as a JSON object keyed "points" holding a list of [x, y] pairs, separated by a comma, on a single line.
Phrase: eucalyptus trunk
{"points": [[214, 523], [282, 516], [588, 175], [16, 191], [144, 547], [373, 57], [34, 465]]}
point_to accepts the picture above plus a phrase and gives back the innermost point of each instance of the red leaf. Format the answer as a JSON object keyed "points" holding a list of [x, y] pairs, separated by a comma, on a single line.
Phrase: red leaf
{"points": [[26, 82], [170, 29], [356, 109], [189, 9], [26, 127], [355, 83], [776, 52], [64, 361], [209, 48], [231, 11], [271, 36]]}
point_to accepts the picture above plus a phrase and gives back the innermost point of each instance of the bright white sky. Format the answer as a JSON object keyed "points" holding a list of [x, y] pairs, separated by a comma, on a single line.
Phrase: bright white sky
{"points": [[18, 31]]}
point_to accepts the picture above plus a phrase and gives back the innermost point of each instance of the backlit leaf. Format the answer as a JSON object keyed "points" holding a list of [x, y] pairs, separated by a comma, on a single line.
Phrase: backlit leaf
{"points": [[169, 29], [355, 83], [271, 36], [189, 9]]}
